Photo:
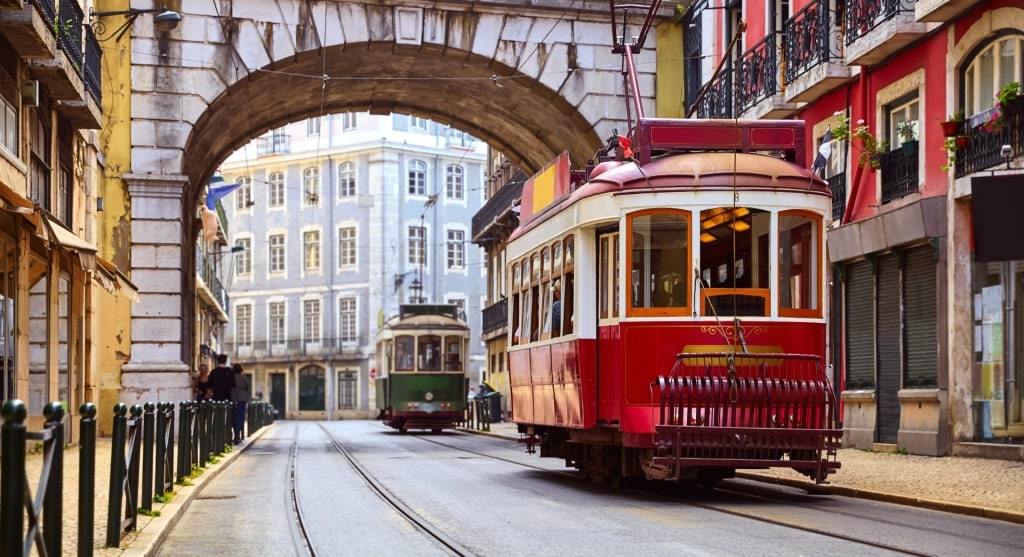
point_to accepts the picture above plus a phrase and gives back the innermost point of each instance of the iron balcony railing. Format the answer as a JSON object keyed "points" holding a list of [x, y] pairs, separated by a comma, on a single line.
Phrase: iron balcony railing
{"points": [[337, 347], [273, 145], [808, 40], [759, 72], [717, 102], [92, 67], [837, 184], [497, 206], [984, 143], [495, 316], [863, 16], [899, 169], [68, 27]]}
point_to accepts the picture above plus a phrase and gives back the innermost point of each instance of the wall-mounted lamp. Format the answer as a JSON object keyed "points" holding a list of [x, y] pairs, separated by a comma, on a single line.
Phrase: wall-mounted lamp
{"points": [[1006, 151], [164, 19]]}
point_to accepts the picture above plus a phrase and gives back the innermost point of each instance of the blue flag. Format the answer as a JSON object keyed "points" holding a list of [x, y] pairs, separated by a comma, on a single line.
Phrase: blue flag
{"points": [[216, 189], [824, 152]]}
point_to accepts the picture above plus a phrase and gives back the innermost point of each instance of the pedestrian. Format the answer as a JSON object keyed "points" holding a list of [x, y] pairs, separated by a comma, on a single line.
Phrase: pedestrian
{"points": [[240, 395], [221, 379], [203, 389]]}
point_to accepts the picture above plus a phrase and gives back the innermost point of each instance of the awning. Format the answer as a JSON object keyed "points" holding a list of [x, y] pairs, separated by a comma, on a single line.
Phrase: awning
{"points": [[113, 280], [71, 242], [14, 202]]}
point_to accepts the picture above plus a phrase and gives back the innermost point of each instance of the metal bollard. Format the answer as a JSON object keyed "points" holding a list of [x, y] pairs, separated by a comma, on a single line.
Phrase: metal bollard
{"points": [[148, 417], [87, 479], [12, 477], [184, 441]]}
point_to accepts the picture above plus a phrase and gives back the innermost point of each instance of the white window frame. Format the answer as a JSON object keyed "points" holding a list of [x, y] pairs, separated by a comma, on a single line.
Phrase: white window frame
{"points": [[275, 190], [416, 177], [277, 253], [346, 180]]}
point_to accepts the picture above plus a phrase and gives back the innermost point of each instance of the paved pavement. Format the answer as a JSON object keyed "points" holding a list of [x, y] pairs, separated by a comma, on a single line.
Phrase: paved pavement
{"points": [[972, 486]]}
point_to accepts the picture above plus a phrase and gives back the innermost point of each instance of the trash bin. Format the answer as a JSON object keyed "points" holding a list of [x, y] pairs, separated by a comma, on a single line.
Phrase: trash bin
{"points": [[493, 402]]}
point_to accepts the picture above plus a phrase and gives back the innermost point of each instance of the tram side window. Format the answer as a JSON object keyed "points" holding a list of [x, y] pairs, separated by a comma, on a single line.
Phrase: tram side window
{"points": [[567, 303], [515, 323], [405, 347], [799, 246], [429, 353], [453, 354], [659, 255]]}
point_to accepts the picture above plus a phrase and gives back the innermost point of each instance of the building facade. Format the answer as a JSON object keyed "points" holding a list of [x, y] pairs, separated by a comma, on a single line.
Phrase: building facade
{"points": [[337, 220]]}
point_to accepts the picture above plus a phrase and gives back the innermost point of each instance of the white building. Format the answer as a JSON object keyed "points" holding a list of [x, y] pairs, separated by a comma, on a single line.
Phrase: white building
{"points": [[337, 220]]}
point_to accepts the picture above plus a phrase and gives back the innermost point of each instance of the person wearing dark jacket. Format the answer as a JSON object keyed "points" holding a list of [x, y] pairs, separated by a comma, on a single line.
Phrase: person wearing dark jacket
{"points": [[240, 395], [222, 379]]}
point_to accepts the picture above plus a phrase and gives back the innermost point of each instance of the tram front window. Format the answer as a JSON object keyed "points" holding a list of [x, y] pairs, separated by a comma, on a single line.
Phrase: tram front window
{"points": [[734, 261], [659, 253], [430, 353], [404, 350]]}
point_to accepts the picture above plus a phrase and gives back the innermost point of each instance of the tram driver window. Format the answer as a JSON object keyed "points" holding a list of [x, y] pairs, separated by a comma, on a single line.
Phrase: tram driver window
{"points": [[404, 350], [430, 353]]}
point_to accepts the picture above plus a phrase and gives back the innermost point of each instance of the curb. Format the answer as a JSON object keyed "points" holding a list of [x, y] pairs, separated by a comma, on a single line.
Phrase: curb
{"points": [[149, 538]]}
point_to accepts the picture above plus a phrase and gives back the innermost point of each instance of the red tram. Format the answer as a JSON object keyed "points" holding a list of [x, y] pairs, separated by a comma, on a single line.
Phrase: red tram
{"points": [[667, 314]]}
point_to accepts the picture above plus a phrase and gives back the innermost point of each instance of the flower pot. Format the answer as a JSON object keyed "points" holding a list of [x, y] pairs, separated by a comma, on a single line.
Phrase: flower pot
{"points": [[949, 128], [962, 142], [1016, 106], [910, 147]]}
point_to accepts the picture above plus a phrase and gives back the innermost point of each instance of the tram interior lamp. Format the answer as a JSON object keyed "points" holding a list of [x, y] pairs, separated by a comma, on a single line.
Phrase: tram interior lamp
{"points": [[164, 20]]}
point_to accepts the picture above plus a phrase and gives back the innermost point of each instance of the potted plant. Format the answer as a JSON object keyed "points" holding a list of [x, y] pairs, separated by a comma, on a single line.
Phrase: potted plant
{"points": [[951, 148], [1009, 98], [907, 131], [951, 125]]}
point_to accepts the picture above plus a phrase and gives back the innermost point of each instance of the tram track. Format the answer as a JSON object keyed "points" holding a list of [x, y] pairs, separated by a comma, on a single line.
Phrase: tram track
{"points": [[745, 493], [434, 534]]}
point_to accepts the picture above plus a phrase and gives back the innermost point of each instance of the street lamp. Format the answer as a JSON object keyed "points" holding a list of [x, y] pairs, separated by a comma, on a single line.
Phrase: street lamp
{"points": [[165, 19]]}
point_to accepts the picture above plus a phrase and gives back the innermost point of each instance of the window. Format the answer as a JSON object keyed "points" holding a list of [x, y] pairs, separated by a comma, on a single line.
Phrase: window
{"points": [[799, 247], [348, 121], [346, 390], [347, 320], [311, 388], [417, 178], [456, 247], [243, 325], [460, 307], [453, 182], [313, 126], [277, 253], [417, 247], [9, 102], [311, 186], [904, 116], [311, 320], [998, 63], [277, 323], [417, 123], [346, 180], [275, 190], [311, 240], [243, 257], [62, 207], [243, 196], [347, 246], [734, 262], [39, 179], [659, 260]]}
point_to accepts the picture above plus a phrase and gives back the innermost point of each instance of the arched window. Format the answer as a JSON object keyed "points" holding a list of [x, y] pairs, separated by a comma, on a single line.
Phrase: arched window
{"points": [[995, 64], [417, 178], [346, 180]]}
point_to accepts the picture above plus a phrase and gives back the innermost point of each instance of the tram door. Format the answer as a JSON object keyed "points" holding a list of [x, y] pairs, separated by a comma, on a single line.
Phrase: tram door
{"points": [[277, 392]]}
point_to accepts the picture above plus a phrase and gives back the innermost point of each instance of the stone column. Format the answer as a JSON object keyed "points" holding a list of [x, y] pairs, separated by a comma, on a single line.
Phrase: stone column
{"points": [[157, 370], [961, 321]]}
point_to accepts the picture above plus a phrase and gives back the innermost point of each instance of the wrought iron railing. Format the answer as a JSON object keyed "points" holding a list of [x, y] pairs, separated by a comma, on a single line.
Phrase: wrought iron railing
{"points": [[93, 65], [985, 144], [345, 348], [863, 16], [717, 102], [68, 28], [808, 40], [837, 184], [899, 169], [759, 72], [495, 316], [273, 145]]}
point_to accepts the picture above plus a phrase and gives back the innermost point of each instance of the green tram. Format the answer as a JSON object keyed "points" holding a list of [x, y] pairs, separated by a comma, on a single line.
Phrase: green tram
{"points": [[421, 359]]}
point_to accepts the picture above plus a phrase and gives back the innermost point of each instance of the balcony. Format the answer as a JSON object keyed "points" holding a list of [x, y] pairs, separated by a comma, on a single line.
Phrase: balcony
{"points": [[30, 29], [495, 317], [876, 29], [941, 11], [985, 143], [717, 101], [837, 184], [322, 348], [760, 87], [899, 169], [273, 145], [495, 220], [813, 54]]}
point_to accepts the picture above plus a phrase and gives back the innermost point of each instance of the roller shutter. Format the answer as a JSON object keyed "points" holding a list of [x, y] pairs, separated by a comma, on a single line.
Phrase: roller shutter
{"points": [[890, 336], [920, 317], [860, 325]]}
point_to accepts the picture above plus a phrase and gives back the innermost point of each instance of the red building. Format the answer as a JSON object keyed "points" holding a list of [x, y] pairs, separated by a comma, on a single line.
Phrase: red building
{"points": [[927, 292]]}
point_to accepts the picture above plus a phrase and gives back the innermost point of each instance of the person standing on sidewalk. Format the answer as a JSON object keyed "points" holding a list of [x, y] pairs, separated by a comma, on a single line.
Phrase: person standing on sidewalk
{"points": [[240, 395], [221, 379]]}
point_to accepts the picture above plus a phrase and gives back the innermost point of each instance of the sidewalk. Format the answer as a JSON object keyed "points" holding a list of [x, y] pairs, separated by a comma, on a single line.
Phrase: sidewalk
{"points": [[971, 486]]}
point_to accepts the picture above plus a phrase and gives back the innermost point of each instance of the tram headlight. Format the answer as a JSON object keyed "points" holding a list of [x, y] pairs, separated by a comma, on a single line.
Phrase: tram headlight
{"points": [[429, 396]]}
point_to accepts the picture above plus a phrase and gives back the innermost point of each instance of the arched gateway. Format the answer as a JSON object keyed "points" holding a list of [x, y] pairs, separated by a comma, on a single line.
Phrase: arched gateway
{"points": [[532, 81]]}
